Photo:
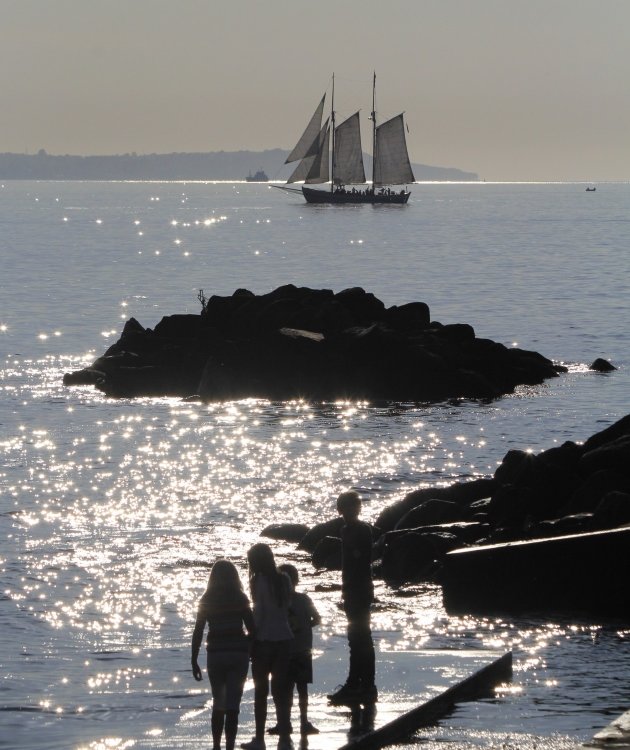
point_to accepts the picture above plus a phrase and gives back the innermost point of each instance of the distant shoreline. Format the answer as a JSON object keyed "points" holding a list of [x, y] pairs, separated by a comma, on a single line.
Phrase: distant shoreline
{"points": [[207, 167]]}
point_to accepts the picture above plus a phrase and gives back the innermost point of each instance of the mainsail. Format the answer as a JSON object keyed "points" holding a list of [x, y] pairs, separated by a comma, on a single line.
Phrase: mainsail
{"points": [[391, 160], [348, 156]]}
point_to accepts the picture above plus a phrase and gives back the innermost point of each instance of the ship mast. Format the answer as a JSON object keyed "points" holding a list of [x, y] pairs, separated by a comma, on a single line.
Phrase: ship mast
{"points": [[332, 125], [373, 118]]}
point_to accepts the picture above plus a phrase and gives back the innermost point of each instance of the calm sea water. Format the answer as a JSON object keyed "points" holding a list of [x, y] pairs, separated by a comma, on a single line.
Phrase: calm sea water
{"points": [[111, 511]]}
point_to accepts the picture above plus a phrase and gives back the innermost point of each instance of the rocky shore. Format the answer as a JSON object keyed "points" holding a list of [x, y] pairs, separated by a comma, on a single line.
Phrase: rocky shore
{"points": [[548, 532], [489, 542], [310, 343]]}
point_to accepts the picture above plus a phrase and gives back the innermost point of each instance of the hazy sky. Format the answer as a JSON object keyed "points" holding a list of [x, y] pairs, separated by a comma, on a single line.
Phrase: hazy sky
{"points": [[511, 89]]}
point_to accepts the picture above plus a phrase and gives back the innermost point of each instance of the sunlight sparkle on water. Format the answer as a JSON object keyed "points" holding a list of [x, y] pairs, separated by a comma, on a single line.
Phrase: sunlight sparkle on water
{"points": [[128, 512]]}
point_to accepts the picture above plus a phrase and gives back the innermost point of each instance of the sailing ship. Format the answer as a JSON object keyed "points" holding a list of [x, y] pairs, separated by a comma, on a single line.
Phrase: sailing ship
{"points": [[342, 165]]}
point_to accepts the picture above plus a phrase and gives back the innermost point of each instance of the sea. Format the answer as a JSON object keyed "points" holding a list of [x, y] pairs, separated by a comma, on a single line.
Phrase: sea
{"points": [[112, 511]]}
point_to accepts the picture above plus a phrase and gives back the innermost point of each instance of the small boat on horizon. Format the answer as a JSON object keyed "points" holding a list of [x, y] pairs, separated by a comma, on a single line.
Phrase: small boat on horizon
{"points": [[591, 189], [341, 163], [259, 176]]}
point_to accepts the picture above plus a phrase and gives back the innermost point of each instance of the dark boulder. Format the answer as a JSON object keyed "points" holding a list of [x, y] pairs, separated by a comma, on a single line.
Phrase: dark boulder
{"points": [[509, 506], [130, 382], [463, 493], [590, 492], [362, 305], [432, 512], [612, 456], [179, 327], [548, 479], [87, 376], [613, 510], [319, 531], [414, 316], [466, 532], [459, 333], [327, 553], [411, 556], [130, 327], [288, 532], [611, 433], [575, 524], [602, 365]]}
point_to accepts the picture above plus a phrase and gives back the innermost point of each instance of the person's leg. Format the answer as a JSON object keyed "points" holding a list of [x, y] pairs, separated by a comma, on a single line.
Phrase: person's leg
{"points": [[261, 668], [217, 675], [217, 720], [235, 680], [303, 675], [305, 725], [361, 646], [231, 728], [281, 687]]}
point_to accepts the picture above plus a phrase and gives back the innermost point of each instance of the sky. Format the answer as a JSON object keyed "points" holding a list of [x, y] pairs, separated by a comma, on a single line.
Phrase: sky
{"points": [[510, 89]]}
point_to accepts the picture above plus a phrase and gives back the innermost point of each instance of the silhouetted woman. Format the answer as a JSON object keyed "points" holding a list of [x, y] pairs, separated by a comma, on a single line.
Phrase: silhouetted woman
{"points": [[271, 592], [225, 608]]}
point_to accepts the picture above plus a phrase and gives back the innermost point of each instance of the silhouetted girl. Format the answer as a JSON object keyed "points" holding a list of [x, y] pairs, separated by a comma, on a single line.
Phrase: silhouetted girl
{"points": [[271, 592], [225, 607]]}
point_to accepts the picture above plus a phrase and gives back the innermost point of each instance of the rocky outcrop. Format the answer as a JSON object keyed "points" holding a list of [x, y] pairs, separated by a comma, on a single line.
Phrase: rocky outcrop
{"points": [[565, 490], [529, 529], [312, 343]]}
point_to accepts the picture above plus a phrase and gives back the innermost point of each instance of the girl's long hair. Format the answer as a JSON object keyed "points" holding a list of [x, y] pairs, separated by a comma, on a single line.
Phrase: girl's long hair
{"points": [[262, 563], [224, 584]]}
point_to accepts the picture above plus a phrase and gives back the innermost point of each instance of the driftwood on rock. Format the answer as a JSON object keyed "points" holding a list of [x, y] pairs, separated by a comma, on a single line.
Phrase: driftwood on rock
{"points": [[310, 343]]}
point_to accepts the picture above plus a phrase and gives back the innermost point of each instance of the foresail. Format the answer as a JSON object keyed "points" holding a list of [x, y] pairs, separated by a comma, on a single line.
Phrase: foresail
{"points": [[308, 143], [348, 156], [314, 168], [391, 164], [319, 171]]}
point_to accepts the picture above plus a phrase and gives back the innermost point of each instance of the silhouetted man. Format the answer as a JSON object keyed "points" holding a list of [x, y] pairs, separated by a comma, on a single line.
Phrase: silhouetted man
{"points": [[357, 594]]}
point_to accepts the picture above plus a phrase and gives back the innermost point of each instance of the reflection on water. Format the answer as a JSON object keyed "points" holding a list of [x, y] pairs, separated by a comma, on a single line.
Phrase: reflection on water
{"points": [[111, 512], [115, 510]]}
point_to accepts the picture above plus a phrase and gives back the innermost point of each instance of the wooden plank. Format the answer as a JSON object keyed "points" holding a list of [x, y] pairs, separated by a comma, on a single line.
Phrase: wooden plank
{"points": [[615, 735], [478, 685], [564, 574]]}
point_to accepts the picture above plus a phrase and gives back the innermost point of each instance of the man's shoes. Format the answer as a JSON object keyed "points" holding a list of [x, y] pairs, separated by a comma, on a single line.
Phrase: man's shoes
{"points": [[369, 694], [347, 695], [275, 730], [353, 695], [253, 744], [307, 728], [285, 742]]}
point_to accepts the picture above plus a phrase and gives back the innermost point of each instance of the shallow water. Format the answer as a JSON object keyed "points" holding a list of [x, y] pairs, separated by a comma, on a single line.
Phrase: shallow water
{"points": [[112, 511]]}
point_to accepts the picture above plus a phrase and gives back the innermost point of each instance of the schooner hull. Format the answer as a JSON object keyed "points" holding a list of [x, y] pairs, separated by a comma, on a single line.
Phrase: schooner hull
{"points": [[348, 197]]}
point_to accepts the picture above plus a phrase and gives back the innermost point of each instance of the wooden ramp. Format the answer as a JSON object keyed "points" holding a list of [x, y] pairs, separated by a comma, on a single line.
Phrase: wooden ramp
{"points": [[478, 685], [616, 735]]}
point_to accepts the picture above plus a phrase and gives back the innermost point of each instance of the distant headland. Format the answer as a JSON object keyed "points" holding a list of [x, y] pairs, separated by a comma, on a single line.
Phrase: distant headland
{"points": [[217, 165]]}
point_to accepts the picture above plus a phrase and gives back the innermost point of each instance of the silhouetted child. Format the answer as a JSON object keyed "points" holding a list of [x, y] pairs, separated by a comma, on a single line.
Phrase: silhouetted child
{"points": [[271, 592], [303, 617], [225, 609]]}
